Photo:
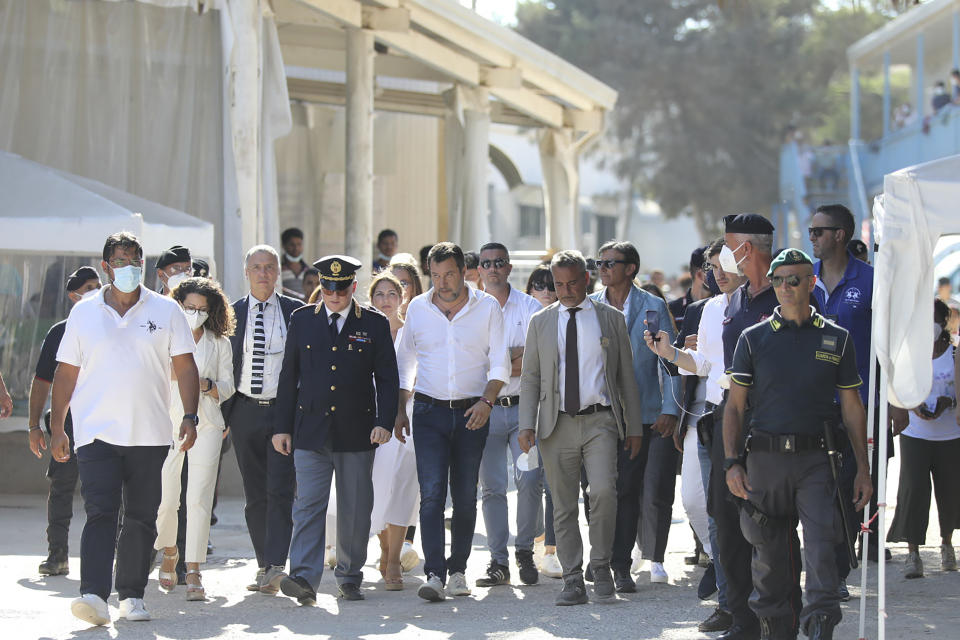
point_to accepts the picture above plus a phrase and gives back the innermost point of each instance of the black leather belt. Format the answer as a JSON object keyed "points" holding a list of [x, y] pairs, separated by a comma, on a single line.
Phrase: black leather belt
{"points": [[262, 402], [508, 401], [788, 443], [464, 403], [594, 408]]}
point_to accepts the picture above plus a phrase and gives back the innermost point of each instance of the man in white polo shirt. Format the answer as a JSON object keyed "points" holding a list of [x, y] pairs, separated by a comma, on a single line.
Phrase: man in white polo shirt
{"points": [[114, 363]]}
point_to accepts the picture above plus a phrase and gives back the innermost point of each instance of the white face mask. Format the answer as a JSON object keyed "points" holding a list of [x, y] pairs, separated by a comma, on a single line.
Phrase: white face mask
{"points": [[195, 318], [728, 260], [291, 258], [175, 280], [90, 293]]}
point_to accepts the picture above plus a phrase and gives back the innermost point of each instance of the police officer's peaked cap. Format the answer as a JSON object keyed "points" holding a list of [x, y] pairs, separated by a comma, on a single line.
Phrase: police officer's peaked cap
{"points": [[751, 223], [80, 277], [788, 257], [337, 272], [174, 254]]}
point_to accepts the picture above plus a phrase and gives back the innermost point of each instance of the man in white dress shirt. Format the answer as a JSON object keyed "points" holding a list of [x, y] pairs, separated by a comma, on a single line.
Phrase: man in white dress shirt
{"points": [[579, 396], [517, 308], [120, 345], [453, 344]]}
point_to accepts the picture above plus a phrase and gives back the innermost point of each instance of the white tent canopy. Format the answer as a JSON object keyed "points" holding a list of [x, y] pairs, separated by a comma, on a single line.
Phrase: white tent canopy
{"points": [[919, 204], [45, 210]]}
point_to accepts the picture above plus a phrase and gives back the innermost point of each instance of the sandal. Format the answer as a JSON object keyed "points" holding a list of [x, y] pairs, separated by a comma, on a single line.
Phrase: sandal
{"points": [[393, 578], [195, 592], [168, 579]]}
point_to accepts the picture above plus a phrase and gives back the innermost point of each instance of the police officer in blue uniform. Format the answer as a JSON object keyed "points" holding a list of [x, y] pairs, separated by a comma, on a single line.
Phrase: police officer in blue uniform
{"points": [[337, 400], [790, 368]]}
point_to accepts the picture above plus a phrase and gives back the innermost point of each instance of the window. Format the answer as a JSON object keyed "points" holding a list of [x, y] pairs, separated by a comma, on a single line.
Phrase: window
{"points": [[531, 221], [606, 228]]}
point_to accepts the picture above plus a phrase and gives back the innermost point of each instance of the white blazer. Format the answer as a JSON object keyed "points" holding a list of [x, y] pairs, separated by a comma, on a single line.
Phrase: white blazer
{"points": [[214, 357]]}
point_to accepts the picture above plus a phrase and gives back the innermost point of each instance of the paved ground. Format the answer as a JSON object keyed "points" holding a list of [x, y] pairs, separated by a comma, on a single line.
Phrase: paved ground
{"points": [[34, 607]]}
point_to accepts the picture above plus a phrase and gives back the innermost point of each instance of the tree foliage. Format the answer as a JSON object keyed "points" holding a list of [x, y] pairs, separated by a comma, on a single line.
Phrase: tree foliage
{"points": [[707, 89]]}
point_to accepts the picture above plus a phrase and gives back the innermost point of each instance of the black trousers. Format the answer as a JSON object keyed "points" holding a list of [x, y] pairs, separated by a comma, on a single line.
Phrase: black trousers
{"points": [[63, 483], [921, 460], [645, 491], [269, 482], [735, 553], [112, 476]]}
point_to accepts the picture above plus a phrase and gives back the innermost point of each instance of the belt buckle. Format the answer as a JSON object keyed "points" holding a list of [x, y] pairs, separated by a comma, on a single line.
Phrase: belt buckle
{"points": [[789, 444]]}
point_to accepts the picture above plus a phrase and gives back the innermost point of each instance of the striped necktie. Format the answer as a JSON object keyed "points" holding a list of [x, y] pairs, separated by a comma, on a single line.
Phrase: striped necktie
{"points": [[259, 351]]}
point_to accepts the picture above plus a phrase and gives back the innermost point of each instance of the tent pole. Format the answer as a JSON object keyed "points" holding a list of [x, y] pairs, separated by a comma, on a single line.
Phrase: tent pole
{"points": [[865, 540], [881, 510]]}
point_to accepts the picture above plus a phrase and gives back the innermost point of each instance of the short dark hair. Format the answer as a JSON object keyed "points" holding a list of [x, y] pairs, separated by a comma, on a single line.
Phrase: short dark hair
{"points": [[386, 233], [123, 240], [471, 259], [840, 216], [715, 247], [943, 281], [220, 317], [287, 234], [941, 312], [425, 257], [624, 248], [697, 259], [495, 246], [444, 251]]}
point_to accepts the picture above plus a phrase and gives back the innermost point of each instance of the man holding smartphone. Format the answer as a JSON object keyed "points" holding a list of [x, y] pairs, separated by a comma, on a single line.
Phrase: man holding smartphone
{"points": [[646, 483]]}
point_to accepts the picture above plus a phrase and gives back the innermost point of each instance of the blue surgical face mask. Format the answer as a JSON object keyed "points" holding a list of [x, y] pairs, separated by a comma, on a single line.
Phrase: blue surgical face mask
{"points": [[127, 279], [712, 285]]}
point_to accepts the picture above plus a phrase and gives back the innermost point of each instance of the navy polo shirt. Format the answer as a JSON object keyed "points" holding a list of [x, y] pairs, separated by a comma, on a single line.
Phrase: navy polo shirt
{"points": [[793, 372], [744, 311], [850, 307]]}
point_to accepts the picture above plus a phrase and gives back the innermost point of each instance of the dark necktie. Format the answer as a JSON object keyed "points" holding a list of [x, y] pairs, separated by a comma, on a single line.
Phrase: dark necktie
{"points": [[259, 352], [571, 388], [333, 327]]}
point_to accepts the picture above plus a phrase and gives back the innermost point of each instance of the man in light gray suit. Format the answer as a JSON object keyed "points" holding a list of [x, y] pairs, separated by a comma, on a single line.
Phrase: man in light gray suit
{"points": [[577, 372]]}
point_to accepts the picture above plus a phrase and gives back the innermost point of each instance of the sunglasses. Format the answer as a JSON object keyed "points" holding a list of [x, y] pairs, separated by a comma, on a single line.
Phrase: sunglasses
{"points": [[816, 232], [498, 263], [540, 286], [608, 264], [791, 281]]}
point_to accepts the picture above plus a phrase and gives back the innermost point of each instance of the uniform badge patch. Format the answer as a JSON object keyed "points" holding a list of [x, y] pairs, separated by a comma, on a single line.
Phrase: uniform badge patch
{"points": [[829, 343]]}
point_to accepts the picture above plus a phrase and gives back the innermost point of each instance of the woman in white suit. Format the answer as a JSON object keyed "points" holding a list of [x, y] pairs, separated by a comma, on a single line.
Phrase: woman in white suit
{"points": [[211, 318]]}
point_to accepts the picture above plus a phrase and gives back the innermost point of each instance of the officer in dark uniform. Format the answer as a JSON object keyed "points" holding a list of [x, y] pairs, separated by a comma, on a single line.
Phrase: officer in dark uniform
{"points": [[337, 400], [790, 367]]}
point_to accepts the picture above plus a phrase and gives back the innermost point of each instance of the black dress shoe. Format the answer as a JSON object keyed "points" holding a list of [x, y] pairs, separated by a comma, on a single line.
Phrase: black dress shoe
{"points": [[719, 620], [299, 588], [588, 574], [351, 591], [624, 581], [708, 583], [738, 632]]}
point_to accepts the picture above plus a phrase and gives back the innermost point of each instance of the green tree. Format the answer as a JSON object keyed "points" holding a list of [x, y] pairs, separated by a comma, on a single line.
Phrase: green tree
{"points": [[707, 89]]}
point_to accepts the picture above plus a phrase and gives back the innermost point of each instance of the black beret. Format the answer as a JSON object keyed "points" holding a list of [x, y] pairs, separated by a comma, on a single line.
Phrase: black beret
{"points": [[80, 277], [337, 272], [751, 223], [200, 268], [174, 254]]}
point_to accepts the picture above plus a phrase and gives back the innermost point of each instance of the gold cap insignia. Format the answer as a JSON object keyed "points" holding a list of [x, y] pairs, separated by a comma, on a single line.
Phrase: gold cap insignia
{"points": [[335, 268]]}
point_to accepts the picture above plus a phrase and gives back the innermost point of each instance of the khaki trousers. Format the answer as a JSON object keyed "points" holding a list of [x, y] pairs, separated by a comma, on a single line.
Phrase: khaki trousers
{"points": [[589, 441]]}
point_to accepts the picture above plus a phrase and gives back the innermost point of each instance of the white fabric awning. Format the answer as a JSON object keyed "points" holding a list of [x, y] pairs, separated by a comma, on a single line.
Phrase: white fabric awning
{"points": [[44, 210], [919, 204]]}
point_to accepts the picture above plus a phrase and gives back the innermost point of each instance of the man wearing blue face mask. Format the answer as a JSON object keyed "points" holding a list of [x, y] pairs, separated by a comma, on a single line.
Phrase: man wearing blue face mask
{"points": [[114, 369], [173, 267]]}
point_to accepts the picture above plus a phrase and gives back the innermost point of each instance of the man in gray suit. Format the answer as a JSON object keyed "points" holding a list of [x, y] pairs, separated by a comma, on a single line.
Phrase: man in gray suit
{"points": [[577, 373]]}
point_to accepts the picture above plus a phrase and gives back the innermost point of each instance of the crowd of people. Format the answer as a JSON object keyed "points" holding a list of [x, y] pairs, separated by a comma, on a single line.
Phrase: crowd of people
{"points": [[752, 383]]}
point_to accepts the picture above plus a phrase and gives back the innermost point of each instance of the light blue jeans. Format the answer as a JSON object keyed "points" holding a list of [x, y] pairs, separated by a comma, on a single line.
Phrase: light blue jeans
{"points": [[704, 454], [501, 442]]}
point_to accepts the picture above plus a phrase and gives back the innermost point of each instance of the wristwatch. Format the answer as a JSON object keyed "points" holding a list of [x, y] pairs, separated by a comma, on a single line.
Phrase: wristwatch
{"points": [[192, 416], [730, 462]]}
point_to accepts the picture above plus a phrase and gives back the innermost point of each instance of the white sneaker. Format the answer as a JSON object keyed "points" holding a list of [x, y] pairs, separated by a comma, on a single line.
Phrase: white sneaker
{"points": [[408, 557], [550, 566], [457, 585], [331, 557], [637, 564], [658, 573], [91, 608], [432, 590], [134, 610]]}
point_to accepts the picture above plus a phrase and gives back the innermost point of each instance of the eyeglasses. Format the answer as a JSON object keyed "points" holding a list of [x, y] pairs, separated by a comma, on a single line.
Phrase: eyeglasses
{"points": [[816, 232], [791, 280], [540, 286], [120, 263], [174, 270], [608, 264], [497, 263], [190, 307]]}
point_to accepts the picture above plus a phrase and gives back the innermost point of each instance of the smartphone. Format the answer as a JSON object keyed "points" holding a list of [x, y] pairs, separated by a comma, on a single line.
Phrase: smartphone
{"points": [[653, 324]]}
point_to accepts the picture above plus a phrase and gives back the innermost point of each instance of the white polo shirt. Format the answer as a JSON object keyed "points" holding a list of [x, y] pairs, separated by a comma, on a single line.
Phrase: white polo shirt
{"points": [[516, 318], [122, 395]]}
